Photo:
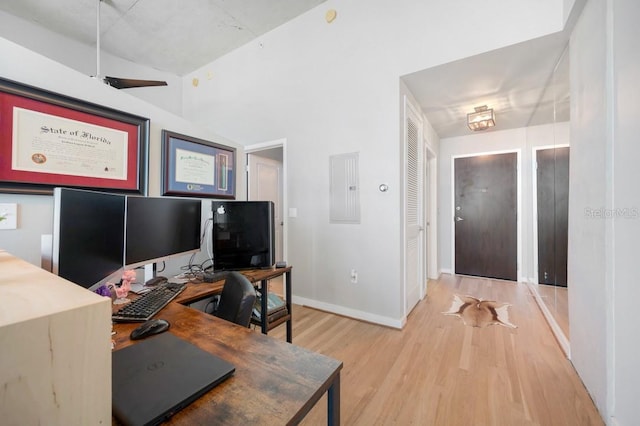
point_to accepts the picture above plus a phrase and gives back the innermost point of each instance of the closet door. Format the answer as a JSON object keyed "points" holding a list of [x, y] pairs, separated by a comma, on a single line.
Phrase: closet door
{"points": [[414, 203]]}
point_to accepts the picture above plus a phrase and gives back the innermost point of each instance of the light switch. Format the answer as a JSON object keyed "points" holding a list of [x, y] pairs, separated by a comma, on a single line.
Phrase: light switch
{"points": [[8, 216]]}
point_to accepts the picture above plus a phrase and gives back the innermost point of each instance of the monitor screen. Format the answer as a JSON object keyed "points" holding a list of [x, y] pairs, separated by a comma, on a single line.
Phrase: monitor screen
{"points": [[159, 228], [243, 235], [88, 235]]}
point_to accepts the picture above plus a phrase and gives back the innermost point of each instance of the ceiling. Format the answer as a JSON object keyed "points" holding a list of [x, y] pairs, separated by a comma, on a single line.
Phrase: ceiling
{"points": [[517, 81], [181, 36], [168, 35]]}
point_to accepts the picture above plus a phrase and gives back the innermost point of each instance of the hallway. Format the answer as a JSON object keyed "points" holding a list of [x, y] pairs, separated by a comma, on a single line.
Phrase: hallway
{"points": [[437, 371]]}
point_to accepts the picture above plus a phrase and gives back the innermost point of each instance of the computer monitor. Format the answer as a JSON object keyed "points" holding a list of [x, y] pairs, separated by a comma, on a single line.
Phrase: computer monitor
{"points": [[243, 235], [158, 228], [88, 236]]}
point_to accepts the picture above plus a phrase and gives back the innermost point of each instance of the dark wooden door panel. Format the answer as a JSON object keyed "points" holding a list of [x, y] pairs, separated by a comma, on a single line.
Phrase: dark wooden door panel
{"points": [[486, 202], [553, 210]]}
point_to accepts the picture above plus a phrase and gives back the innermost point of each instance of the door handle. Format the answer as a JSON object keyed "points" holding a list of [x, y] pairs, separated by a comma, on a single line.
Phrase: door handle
{"points": [[458, 219]]}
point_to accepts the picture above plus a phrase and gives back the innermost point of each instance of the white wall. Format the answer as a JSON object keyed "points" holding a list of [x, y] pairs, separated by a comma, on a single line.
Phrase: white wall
{"points": [[522, 139], [605, 65], [626, 194], [333, 88], [589, 248], [82, 58], [568, 7], [35, 212]]}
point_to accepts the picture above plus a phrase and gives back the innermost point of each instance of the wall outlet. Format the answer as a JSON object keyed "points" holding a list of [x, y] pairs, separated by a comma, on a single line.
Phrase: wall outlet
{"points": [[8, 216], [354, 276]]}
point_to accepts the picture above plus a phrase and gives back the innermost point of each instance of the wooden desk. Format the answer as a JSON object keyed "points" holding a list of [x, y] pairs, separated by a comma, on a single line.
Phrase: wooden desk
{"points": [[275, 383], [260, 278]]}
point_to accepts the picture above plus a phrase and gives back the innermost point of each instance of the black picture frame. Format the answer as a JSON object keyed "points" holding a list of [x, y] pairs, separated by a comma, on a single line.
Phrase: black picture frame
{"points": [[193, 167]]}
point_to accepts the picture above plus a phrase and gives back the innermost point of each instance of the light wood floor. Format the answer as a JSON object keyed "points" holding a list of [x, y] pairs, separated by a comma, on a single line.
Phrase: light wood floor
{"points": [[437, 371]]}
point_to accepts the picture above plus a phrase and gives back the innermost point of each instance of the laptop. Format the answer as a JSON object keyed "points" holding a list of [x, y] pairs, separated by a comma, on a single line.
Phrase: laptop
{"points": [[157, 377]]}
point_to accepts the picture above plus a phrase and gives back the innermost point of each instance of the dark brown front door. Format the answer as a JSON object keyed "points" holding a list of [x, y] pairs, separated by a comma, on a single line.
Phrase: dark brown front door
{"points": [[553, 210], [485, 216]]}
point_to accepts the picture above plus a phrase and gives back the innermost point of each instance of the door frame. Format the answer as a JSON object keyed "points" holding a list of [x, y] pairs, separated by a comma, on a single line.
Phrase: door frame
{"points": [[262, 146], [431, 213], [518, 153], [534, 205]]}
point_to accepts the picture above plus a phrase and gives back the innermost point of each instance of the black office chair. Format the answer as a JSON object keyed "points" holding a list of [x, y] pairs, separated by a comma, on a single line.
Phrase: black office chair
{"points": [[237, 299]]}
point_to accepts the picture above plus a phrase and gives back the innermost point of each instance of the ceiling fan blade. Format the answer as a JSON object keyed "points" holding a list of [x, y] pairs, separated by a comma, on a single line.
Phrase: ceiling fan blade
{"points": [[128, 83]]}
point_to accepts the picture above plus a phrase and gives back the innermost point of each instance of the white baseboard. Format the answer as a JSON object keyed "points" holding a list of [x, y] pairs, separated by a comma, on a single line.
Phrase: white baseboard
{"points": [[351, 313], [446, 271]]}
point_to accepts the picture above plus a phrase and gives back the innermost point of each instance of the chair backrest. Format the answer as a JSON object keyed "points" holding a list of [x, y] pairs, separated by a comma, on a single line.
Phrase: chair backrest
{"points": [[236, 300]]}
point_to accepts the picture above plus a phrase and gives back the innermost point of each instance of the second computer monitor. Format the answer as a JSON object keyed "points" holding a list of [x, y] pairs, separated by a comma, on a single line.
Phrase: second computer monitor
{"points": [[161, 227]]}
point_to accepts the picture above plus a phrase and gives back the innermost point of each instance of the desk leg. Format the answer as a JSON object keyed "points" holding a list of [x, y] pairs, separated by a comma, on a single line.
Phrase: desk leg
{"points": [[264, 289], [333, 402], [287, 290]]}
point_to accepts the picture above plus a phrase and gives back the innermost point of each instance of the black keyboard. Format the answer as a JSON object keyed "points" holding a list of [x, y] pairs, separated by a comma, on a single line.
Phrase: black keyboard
{"points": [[148, 304]]}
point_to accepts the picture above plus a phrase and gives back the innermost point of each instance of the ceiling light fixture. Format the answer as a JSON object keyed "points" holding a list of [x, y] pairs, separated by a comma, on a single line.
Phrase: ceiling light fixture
{"points": [[331, 15], [481, 119]]}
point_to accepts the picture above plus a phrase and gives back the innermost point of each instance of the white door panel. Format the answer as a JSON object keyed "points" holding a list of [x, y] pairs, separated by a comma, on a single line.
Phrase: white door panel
{"points": [[265, 184], [414, 226]]}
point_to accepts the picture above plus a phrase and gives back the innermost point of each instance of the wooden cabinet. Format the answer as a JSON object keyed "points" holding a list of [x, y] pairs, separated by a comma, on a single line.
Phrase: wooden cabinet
{"points": [[55, 348]]}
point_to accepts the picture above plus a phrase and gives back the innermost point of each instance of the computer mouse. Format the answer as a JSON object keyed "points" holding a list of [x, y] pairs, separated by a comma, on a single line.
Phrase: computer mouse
{"points": [[149, 328]]}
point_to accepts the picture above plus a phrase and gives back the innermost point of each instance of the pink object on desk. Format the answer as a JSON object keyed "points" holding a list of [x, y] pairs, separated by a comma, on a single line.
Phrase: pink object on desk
{"points": [[124, 288]]}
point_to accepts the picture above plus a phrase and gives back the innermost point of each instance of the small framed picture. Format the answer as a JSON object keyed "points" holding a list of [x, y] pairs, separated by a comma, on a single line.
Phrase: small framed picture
{"points": [[194, 167]]}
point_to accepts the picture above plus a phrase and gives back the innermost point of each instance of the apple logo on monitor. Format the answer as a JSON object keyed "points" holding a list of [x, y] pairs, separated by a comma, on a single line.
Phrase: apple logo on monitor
{"points": [[221, 210]]}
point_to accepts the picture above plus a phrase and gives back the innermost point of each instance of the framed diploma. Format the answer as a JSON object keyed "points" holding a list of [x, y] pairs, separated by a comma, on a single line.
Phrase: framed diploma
{"points": [[49, 140], [197, 168]]}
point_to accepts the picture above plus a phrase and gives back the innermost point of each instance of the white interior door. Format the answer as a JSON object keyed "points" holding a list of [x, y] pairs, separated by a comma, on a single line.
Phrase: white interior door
{"points": [[265, 184], [414, 216]]}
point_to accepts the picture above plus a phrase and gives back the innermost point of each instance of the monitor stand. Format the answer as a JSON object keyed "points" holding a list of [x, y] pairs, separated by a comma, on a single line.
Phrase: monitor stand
{"points": [[149, 271], [46, 252]]}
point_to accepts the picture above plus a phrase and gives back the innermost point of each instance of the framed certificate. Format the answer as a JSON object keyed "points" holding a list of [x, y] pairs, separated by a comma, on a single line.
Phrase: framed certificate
{"points": [[49, 140], [197, 168]]}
